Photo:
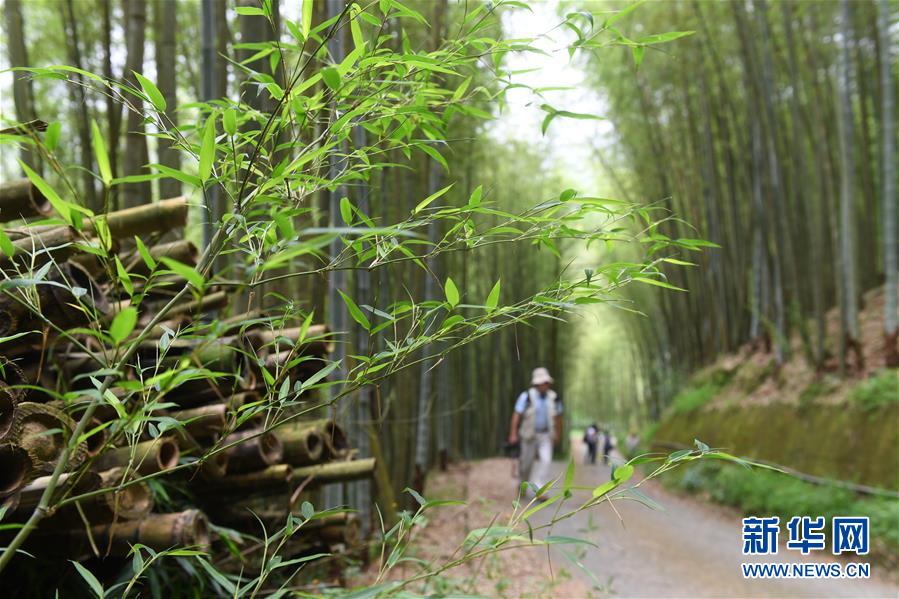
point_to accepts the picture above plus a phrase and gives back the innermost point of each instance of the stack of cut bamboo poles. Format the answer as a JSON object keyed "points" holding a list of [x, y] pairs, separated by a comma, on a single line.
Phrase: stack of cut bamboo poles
{"points": [[241, 471]]}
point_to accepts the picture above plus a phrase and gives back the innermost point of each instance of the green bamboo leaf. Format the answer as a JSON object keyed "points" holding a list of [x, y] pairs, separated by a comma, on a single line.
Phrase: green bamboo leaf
{"points": [[475, 199], [354, 311], [430, 151], [569, 476], [424, 203], [188, 272], [123, 324], [661, 38], [250, 11], [355, 29], [6, 245], [638, 52], [604, 488], [621, 14], [90, 579], [51, 136], [678, 262], [306, 23], [145, 254], [67, 210], [124, 278], [452, 293], [657, 283], [207, 149], [346, 210], [623, 473], [229, 122], [331, 77], [151, 91], [173, 173], [493, 297], [101, 155]]}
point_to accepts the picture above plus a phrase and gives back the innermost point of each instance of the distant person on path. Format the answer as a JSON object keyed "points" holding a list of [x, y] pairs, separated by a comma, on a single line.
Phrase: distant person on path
{"points": [[633, 442], [591, 439], [608, 444], [537, 425]]}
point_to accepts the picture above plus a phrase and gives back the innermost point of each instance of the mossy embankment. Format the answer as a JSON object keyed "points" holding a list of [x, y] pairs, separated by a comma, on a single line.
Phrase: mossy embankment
{"points": [[851, 437]]}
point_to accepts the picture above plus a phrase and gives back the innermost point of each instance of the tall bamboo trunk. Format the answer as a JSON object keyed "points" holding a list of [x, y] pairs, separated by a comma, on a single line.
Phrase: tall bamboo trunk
{"points": [[888, 134], [848, 266]]}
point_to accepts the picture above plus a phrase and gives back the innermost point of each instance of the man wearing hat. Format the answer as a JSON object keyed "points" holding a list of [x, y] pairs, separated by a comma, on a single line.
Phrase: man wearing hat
{"points": [[537, 424]]}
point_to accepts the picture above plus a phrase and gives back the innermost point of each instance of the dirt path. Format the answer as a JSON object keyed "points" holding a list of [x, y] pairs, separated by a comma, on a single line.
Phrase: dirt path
{"points": [[687, 549]]}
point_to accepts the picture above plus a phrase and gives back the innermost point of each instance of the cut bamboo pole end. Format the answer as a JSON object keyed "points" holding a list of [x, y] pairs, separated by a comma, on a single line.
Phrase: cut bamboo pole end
{"points": [[147, 457], [43, 431]]}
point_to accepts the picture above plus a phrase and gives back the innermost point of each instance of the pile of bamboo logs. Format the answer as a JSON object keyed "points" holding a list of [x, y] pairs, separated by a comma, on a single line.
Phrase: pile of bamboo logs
{"points": [[212, 436]]}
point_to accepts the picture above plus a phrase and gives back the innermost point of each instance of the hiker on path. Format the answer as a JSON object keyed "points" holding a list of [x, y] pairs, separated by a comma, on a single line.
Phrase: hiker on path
{"points": [[537, 425], [608, 444], [591, 439]]}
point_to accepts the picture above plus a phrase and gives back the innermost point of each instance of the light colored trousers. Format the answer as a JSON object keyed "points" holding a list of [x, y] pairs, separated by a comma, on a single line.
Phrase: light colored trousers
{"points": [[536, 455]]}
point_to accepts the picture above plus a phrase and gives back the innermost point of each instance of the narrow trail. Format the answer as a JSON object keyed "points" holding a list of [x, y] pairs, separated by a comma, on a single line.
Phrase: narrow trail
{"points": [[689, 548]]}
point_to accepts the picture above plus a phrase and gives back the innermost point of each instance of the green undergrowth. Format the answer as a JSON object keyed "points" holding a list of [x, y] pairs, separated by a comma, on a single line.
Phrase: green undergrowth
{"points": [[768, 493], [693, 398], [702, 388], [877, 391]]}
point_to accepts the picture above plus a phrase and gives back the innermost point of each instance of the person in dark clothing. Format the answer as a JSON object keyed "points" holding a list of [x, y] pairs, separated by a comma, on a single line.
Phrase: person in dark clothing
{"points": [[591, 439], [608, 444]]}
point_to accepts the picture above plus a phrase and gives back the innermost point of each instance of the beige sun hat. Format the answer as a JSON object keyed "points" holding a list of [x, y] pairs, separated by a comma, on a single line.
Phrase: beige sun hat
{"points": [[540, 376]]}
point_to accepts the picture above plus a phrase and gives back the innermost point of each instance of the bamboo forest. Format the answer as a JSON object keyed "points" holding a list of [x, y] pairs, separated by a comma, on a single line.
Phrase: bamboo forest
{"points": [[449, 298]]}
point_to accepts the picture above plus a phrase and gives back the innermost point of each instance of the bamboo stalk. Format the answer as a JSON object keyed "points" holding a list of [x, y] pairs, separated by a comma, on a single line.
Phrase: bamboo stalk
{"points": [[204, 421], [58, 303], [21, 199], [35, 125], [126, 502], [149, 457], [336, 443], [254, 451], [43, 431], [15, 468], [158, 531], [335, 471], [303, 444], [273, 477], [165, 215], [69, 483], [55, 241]]}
